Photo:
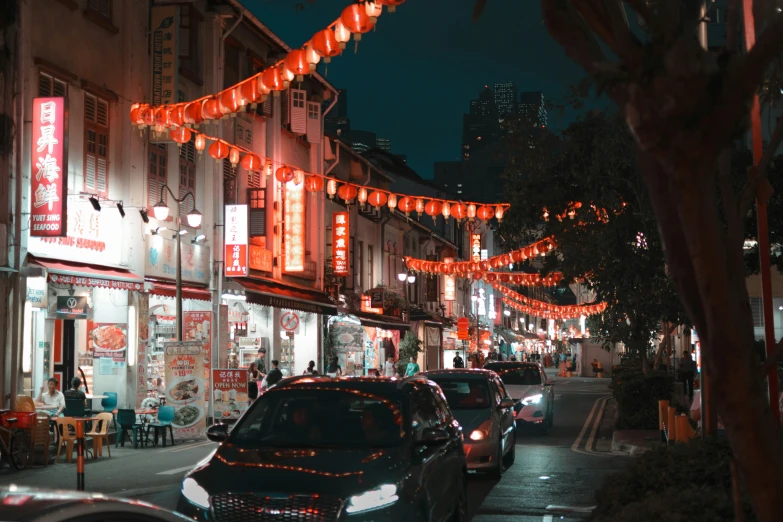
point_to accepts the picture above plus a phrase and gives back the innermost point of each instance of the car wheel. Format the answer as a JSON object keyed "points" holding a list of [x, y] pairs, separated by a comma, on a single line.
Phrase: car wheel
{"points": [[461, 505], [511, 456], [497, 471]]}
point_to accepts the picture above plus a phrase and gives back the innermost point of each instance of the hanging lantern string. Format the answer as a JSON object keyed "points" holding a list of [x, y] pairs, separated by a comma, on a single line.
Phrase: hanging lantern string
{"points": [[497, 209], [360, 17], [541, 313], [541, 305], [456, 269], [541, 308]]}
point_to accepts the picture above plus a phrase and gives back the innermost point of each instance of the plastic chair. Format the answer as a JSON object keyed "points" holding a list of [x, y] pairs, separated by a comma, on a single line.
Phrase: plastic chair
{"points": [[73, 408], [66, 428], [165, 417], [109, 404], [126, 418], [100, 434]]}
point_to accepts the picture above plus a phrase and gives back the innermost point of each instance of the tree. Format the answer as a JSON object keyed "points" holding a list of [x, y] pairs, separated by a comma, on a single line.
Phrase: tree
{"points": [[610, 241], [685, 107]]}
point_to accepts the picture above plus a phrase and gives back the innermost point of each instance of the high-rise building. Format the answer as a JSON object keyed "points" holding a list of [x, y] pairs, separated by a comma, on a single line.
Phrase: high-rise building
{"points": [[383, 144], [336, 121], [480, 127], [531, 106], [505, 99], [362, 141]]}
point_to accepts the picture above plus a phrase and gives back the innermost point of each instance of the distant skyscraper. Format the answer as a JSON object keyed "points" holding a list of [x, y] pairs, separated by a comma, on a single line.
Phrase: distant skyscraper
{"points": [[362, 141], [480, 127], [336, 121], [383, 144], [505, 99], [531, 106]]}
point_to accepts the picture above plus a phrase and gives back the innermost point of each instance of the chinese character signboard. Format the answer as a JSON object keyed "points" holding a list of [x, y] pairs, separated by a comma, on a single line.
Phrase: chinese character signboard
{"points": [[449, 284], [185, 385], [161, 260], [229, 393], [236, 241], [294, 217], [197, 327], [260, 258], [475, 244], [49, 182], [164, 55], [341, 234]]}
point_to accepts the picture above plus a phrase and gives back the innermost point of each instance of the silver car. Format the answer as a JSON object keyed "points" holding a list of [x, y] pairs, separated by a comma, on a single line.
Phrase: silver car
{"points": [[480, 403], [533, 393]]}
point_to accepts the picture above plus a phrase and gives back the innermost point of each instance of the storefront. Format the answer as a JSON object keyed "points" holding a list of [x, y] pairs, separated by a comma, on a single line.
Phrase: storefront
{"points": [[362, 341]]}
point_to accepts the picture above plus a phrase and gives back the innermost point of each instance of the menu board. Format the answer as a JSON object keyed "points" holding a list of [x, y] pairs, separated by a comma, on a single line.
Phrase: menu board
{"points": [[107, 340], [184, 368], [229, 393], [197, 327]]}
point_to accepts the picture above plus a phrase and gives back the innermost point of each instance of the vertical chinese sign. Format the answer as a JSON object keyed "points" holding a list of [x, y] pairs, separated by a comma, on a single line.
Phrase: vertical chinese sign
{"points": [[475, 245], [143, 335], [229, 393], [449, 288], [294, 222], [184, 368], [341, 233], [49, 182], [165, 55], [197, 327], [235, 256]]}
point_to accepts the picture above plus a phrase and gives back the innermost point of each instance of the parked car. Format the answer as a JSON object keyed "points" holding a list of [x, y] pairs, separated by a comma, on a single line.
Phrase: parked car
{"points": [[480, 403], [348, 448], [528, 385], [22, 504]]}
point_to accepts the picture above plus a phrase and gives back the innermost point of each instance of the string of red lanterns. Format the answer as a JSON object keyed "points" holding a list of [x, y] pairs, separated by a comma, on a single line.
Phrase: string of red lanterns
{"points": [[572, 312], [535, 304], [355, 19], [457, 270]]}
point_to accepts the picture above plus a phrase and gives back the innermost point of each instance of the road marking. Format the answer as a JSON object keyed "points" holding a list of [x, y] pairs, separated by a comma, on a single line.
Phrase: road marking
{"points": [[596, 424], [587, 424], [175, 471], [128, 493], [547, 518], [571, 509]]}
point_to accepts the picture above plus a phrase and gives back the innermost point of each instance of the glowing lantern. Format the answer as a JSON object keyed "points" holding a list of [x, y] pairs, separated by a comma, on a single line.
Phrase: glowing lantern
{"points": [[218, 150], [505, 259], [516, 256], [298, 176], [272, 79], [373, 9], [251, 162], [362, 196], [297, 63], [249, 92], [241, 101], [490, 277], [485, 212], [313, 183], [233, 156], [505, 277], [499, 211], [262, 88], [180, 135], [192, 114], [355, 19], [268, 168], [228, 102], [148, 117], [484, 265], [135, 114], [459, 210], [177, 116], [407, 205], [433, 208], [211, 109], [347, 193], [446, 210], [420, 207], [477, 275], [473, 266], [471, 211], [326, 45], [311, 55], [284, 174], [162, 117], [377, 199], [392, 4], [331, 188], [494, 262], [286, 74], [341, 33], [392, 202], [201, 143]]}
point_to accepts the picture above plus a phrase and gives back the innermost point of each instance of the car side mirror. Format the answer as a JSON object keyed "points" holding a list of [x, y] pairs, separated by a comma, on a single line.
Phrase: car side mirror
{"points": [[506, 403], [218, 432], [434, 436]]}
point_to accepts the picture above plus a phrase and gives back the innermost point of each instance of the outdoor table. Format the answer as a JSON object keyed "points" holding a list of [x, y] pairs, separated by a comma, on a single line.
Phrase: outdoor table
{"points": [[80, 447], [90, 398], [145, 420]]}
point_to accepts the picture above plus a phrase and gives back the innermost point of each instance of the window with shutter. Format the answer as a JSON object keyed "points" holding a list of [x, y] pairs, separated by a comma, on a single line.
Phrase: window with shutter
{"points": [[189, 62], [256, 201], [157, 174], [187, 177], [254, 179], [229, 183], [96, 145], [231, 69], [100, 7], [298, 111], [313, 122], [50, 86]]}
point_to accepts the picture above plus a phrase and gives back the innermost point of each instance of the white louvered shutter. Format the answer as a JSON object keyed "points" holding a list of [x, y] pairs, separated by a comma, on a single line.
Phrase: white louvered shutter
{"points": [[96, 131], [298, 111], [313, 122]]}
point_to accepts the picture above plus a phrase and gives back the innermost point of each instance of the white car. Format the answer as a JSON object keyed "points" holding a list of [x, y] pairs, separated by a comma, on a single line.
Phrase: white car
{"points": [[528, 385]]}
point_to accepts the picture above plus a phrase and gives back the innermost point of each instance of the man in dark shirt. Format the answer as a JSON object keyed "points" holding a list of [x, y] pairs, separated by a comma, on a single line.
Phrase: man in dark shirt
{"points": [[274, 375], [458, 362], [261, 361], [74, 392]]}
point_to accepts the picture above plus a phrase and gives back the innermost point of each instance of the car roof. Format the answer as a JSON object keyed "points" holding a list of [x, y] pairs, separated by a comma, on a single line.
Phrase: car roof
{"points": [[511, 364], [459, 372], [376, 385]]}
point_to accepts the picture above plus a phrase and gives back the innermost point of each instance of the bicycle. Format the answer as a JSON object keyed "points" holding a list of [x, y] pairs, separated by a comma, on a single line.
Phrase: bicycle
{"points": [[18, 446]]}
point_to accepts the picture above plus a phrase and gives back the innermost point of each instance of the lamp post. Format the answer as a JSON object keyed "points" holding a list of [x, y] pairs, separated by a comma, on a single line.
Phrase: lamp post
{"points": [[474, 298], [161, 211], [408, 279]]}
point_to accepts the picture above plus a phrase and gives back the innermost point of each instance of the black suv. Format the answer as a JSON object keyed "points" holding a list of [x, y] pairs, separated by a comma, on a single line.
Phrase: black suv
{"points": [[326, 450]]}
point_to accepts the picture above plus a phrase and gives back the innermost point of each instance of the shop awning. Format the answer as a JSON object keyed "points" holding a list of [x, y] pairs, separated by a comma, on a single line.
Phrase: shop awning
{"points": [[85, 274], [188, 292], [430, 319], [386, 322], [281, 295]]}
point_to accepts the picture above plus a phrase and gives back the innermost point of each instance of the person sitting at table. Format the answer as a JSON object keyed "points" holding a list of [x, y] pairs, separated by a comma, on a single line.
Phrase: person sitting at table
{"points": [[75, 392], [52, 398]]}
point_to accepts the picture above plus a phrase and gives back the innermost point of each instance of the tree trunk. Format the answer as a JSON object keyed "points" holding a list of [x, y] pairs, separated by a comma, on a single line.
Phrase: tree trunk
{"points": [[667, 338]]}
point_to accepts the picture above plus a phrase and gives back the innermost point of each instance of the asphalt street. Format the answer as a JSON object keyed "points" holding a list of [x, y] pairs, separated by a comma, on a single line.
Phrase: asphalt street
{"points": [[553, 478]]}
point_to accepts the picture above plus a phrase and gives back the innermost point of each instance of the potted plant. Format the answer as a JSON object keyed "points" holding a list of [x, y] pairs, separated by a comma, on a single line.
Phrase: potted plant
{"points": [[410, 346]]}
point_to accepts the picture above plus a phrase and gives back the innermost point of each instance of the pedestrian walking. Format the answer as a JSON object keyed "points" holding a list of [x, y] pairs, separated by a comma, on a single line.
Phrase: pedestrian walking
{"points": [[261, 361], [458, 361], [334, 369], [687, 371], [275, 375], [412, 368], [252, 382], [388, 367]]}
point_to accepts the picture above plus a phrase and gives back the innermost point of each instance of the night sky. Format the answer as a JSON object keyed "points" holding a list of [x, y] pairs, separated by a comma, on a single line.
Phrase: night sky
{"points": [[412, 79]]}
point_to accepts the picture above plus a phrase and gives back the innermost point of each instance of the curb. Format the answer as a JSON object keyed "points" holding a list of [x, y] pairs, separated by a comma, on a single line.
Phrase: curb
{"points": [[631, 449], [606, 428]]}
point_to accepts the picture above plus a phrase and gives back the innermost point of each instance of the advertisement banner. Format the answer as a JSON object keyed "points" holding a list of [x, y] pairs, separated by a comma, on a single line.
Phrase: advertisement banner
{"points": [[475, 244], [294, 226], [235, 255], [109, 340], [143, 336], [161, 260], [197, 326], [71, 307], [49, 186], [165, 55], [229, 393], [184, 368], [341, 233]]}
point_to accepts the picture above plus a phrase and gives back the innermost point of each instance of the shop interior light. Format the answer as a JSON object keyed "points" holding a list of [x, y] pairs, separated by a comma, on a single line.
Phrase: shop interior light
{"points": [[144, 216], [507, 313], [95, 203], [228, 295], [120, 208], [161, 210]]}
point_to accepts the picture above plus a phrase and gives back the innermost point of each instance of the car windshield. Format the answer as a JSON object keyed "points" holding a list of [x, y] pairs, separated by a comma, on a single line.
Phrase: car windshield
{"points": [[464, 393], [313, 417], [519, 376]]}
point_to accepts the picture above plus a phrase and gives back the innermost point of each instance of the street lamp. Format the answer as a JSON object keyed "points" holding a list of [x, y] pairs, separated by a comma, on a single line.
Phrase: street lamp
{"points": [[408, 279], [161, 211]]}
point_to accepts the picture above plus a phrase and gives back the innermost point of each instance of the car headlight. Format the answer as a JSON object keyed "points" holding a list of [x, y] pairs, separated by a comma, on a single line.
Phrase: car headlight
{"points": [[482, 432], [195, 493], [533, 399], [373, 499]]}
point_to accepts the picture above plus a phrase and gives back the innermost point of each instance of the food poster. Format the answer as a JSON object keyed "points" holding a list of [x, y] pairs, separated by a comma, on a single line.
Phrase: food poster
{"points": [[197, 327], [143, 336], [229, 393], [107, 340], [184, 368]]}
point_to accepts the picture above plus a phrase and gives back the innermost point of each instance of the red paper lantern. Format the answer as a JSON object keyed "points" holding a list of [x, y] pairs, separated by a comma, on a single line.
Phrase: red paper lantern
{"points": [[325, 44], [249, 91], [192, 113], [180, 135], [229, 102], [347, 193], [516, 256], [177, 115], [473, 266], [251, 162], [459, 210], [484, 265], [162, 117], [433, 208], [485, 212], [211, 109], [490, 277], [377, 199], [135, 115], [416, 264], [218, 150], [494, 262], [297, 63], [355, 19], [505, 277], [478, 275], [273, 79], [505, 260], [148, 116], [448, 268], [517, 279], [313, 183], [406, 204], [284, 174]]}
